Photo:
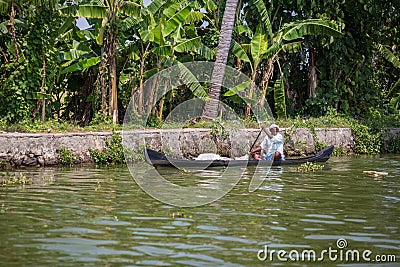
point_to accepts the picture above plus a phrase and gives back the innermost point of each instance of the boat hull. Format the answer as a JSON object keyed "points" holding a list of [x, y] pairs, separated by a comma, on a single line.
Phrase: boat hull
{"points": [[158, 159]]}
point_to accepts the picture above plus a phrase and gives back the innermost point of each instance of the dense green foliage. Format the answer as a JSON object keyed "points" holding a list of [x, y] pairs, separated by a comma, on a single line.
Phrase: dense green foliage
{"points": [[290, 49], [112, 154], [66, 157]]}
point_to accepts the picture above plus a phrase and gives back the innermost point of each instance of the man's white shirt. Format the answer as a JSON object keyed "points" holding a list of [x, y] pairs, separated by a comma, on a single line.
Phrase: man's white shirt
{"points": [[270, 145]]}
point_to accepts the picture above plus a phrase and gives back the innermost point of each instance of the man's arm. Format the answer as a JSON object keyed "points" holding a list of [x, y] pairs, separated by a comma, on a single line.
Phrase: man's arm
{"points": [[267, 132], [255, 150]]}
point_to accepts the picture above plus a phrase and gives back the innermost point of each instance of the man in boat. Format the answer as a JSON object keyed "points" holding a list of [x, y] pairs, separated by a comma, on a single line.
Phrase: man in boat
{"points": [[271, 147]]}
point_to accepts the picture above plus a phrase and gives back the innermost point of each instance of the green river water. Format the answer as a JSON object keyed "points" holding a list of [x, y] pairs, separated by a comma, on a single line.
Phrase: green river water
{"points": [[88, 216]]}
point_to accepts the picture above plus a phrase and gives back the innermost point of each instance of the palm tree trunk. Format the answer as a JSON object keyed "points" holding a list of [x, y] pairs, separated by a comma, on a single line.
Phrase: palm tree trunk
{"points": [[210, 110]]}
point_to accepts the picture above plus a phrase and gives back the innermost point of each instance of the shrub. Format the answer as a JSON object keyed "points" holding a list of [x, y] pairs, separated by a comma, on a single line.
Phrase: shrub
{"points": [[112, 154], [66, 157]]}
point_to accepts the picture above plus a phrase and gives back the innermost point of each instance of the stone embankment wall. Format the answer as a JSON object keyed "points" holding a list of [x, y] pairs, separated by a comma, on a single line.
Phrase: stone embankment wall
{"points": [[31, 149]]}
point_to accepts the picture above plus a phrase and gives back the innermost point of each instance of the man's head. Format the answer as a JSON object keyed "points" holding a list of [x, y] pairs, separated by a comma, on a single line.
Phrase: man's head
{"points": [[274, 129]]}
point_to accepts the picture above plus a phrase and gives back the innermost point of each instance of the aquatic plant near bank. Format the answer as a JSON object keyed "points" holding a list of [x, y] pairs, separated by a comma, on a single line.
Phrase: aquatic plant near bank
{"points": [[340, 152], [14, 179], [310, 167], [3, 208]]}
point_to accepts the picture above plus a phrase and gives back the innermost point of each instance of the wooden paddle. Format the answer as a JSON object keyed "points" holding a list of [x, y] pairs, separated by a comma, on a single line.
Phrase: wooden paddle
{"points": [[255, 141]]}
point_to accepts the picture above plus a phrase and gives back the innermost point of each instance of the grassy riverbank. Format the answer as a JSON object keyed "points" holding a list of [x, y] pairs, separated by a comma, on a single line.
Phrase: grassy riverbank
{"points": [[369, 134], [375, 121]]}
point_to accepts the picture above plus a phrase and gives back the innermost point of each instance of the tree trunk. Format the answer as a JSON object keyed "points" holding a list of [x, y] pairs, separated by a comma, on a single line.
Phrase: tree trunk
{"points": [[140, 100], [86, 108], [265, 79], [250, 95], [152, 95], [312, 75], [166, 84], [42, 88], [113, 86], [160, 111], [114, 92], [11, 29], [141, 81], [102, 82], [210, 110]]}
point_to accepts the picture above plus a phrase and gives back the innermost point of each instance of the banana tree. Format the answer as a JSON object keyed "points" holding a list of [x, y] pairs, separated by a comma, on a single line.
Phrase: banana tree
{"points": [[77, 62], [167, 29], [266, 45], [394, 92], [109, 12], [255, 54]]}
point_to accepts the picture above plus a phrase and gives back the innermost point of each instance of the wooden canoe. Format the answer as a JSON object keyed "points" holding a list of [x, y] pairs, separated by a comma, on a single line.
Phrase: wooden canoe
{"points": [[158, 159]]}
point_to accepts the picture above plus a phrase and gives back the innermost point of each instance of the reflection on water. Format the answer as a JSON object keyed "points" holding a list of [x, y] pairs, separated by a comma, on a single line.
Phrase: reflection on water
{"points": [[90, 216]]}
